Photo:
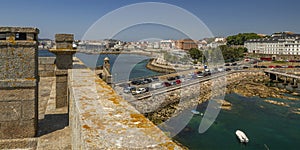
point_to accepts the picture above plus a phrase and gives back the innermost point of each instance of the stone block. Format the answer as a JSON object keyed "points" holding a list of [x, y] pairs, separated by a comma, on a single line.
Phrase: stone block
{"points": [[17, 94], [64, 45], [61, 88], [28, 110], [10, 111], [61, 79], [46, 60], [30, 37], [18, 129], [64, 61], [59, 72], [64, 37], [46, 73]]}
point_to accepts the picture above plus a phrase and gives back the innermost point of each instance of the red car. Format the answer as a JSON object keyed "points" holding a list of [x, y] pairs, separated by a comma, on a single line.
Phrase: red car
{"points": [[178, 81], [272, 67]]}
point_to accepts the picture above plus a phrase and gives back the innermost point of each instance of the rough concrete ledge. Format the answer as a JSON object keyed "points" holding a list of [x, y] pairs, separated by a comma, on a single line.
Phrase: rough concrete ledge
{"points": [[100, 119]]}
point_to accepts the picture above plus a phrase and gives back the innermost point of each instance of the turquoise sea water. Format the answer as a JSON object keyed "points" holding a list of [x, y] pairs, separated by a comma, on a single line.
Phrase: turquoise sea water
{"points": [[123, 66], [266, 125]]}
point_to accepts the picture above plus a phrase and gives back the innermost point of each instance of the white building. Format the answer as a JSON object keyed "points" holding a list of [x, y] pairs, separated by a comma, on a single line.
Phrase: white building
{"points": [[278, 44], [167, 44]]}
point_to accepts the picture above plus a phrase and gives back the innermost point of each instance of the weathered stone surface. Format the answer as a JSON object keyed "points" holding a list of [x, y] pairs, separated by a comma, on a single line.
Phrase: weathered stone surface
{"points": [[100, 119], [28, 143], [19, 29], [64, 37], [61, 79], [46, 60], [16, 94], [10, 111], [28, 110], [64, 61], [17, 129], [61, 93], [18, 82], [64, 45]]}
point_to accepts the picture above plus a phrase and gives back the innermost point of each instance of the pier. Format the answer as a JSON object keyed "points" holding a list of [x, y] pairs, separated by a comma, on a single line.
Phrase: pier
{"points": [[274, 75]]}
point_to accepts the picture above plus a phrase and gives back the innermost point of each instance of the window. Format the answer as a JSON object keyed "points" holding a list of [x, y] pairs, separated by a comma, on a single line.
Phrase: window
{"points": [[2, 36], [20, 36]]}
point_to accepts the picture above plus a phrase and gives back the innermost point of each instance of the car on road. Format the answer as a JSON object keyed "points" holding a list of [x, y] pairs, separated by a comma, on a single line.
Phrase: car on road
{"points": [[233, 64], [171, 78], [129, 89], [167, 84], [178, 81], [227, 69]]}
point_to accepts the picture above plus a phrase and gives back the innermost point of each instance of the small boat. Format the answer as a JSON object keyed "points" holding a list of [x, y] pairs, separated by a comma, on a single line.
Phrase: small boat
{"points": [[195, 112], [242, 136]]}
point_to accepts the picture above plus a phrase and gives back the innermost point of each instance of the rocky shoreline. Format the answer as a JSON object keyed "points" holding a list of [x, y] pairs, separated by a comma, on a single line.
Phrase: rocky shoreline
{"points": [[247, 84]]}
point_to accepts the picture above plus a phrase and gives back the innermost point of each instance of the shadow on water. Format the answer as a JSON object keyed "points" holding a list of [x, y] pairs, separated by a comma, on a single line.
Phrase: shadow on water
{"points": [[52, 122]]}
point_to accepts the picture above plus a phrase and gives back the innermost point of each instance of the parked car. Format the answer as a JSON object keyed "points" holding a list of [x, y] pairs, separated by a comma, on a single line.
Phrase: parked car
{"points": [[137, 82], [155, 79], [167, 84], [227, 69], [147, 80], [178, 81], [171, 78], [272, 67], [129, 89], [233, 64], [263, 67]]}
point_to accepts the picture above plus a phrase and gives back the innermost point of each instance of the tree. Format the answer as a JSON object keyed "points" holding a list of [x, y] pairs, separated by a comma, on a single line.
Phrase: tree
{"points": [[240, 38], [195, 53]]}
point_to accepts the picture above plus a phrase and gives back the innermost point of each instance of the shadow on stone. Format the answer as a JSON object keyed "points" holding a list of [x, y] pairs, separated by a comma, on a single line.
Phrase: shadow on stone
{"points": [[52, 122]]}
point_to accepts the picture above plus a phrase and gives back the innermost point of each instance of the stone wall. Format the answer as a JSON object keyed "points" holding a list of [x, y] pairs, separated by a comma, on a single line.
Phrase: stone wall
{"points": [[18, 82], [46, 66], [100, 119]]}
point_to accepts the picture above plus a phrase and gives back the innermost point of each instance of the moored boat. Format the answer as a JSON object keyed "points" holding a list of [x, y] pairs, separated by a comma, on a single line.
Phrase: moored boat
{"points": [[242, 136], [195, 112]]}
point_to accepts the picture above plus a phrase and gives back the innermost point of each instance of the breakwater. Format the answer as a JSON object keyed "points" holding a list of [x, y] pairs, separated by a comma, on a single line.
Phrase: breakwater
{"points": [[152, 65]]}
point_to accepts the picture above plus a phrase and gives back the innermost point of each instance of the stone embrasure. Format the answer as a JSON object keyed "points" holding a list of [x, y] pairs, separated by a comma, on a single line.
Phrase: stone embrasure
{"points": [[100, 119]]}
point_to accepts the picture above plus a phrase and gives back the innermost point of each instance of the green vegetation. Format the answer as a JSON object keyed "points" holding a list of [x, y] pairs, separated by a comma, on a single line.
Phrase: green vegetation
{"points": [[224, 52], [241, 38], [231, 53]]}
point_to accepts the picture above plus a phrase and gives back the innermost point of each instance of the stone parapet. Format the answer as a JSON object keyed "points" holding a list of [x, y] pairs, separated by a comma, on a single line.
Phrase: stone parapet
{"points": [[100, 119]]}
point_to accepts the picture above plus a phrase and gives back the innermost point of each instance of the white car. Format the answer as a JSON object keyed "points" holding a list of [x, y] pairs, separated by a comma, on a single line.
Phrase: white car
{"points": [[199, 76]]}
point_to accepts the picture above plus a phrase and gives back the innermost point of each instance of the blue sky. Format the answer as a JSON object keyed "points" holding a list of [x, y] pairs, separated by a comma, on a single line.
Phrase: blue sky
{"points": [[222, 17]]}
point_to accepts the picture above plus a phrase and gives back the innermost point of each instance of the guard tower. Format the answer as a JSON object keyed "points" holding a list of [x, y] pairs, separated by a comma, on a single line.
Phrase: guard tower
{"points": [[106, 71], [18, 82]]}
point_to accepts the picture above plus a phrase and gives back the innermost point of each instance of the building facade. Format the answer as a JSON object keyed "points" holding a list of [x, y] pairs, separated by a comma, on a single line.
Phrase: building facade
{"points": [[283, 43], [186, 44]]}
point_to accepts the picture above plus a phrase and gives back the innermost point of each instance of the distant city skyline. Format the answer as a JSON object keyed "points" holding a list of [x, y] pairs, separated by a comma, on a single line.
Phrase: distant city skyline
{"points": [[223, 18]]}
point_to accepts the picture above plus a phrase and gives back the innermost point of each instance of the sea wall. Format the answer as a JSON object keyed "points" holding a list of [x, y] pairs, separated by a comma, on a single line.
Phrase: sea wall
{"points": [[100, 119], [162, 106], [152, 65]]}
